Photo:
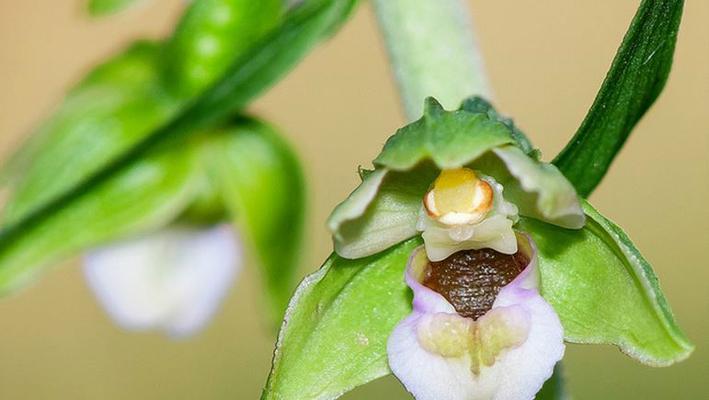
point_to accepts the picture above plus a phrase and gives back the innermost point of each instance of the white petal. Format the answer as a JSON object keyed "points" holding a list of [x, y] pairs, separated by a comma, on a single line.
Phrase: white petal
{"points": [[519, 315], [172, 281]]}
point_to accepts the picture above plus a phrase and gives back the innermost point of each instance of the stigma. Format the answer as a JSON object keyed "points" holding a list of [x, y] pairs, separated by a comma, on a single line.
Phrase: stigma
{"points": [[459, 197]]}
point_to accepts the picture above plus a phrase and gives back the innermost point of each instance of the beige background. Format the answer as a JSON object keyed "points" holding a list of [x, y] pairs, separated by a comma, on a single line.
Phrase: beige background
{"points": [[546, 60]]}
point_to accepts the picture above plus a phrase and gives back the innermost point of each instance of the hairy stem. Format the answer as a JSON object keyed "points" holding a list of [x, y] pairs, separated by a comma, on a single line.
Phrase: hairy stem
{"points": [[432, 51]]}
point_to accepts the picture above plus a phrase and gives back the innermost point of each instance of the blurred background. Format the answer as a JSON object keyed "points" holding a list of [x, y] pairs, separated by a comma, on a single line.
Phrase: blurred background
{"points": [[546, 61]]}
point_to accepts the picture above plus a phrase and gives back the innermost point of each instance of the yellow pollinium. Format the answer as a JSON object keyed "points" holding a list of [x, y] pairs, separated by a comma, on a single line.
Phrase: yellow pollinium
{"points": [[458, 196]]}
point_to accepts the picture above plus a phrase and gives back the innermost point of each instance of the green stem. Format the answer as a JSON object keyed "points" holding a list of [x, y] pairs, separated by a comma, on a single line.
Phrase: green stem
{"points": [[432, 50]]}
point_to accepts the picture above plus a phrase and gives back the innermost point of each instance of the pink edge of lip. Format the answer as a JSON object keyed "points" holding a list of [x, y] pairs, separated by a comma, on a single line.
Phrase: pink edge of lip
{"points": [[425, 299], [526, 284], [523, 286]]}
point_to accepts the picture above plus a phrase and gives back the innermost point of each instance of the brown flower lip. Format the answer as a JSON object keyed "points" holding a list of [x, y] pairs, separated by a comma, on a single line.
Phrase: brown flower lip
{"points": [[471, 279]]}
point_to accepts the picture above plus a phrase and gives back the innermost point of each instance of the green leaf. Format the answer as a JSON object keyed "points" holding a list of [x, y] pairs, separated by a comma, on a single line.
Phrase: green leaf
{"points": [[99, 8], [637, 76], [450, 139], [605, 291], [212, 34], [337, 324], [554, 388], [262, 185], [145, 196]]}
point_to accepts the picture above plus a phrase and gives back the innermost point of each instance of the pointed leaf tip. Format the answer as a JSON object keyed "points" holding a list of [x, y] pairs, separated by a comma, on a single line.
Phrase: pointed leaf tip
{"points": [[633, 83]]}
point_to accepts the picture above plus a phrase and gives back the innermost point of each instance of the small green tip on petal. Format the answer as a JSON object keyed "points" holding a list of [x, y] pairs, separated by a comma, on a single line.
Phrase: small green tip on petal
{"points": [[432, 108]]}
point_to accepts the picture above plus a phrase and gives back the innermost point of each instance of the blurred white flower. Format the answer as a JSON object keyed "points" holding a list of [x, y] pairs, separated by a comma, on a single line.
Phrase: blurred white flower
{"points": [[171, 281]]}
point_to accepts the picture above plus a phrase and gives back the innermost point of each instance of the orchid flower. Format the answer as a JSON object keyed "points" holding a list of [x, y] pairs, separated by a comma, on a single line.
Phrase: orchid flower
{"points": [[506, 263]]}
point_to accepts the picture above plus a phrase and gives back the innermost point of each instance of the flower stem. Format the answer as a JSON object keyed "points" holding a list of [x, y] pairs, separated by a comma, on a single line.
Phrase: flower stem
{"points": [[432, 50]]}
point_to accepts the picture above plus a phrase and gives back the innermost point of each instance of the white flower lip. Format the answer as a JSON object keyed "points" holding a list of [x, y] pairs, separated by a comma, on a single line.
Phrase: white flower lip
{"points": [[171, 281], [506, 354]]}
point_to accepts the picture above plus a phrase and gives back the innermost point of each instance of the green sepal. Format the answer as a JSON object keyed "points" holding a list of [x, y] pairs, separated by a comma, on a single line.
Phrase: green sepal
{"points": [[257, 69], [604, 291], [450, 139], [261, 184], [334, 334], [381, 212], [100, 8], [211, 35], [636, 77], [477, 104], [538, 189]]}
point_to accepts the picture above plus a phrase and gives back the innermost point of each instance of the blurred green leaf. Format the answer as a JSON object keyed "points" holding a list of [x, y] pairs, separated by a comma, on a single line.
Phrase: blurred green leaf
{"points": [[69, 165], [99, 8], [260, 67], [335, 330], [143, 197], [637, 76], [110, 111], [262, 184], [212, 34], [605, 291]]}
